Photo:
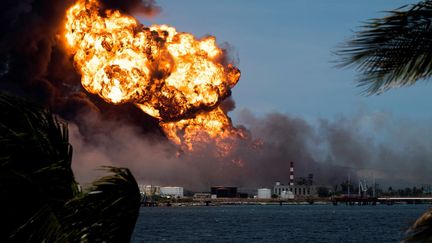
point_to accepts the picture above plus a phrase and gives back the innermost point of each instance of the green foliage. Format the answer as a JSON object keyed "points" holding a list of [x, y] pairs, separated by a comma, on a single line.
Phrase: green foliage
{"points": [[40, 198], [392, 51]]}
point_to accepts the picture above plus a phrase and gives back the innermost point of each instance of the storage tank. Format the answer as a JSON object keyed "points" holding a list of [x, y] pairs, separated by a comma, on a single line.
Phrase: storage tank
{"points": [[264, 193], [287, 195]]}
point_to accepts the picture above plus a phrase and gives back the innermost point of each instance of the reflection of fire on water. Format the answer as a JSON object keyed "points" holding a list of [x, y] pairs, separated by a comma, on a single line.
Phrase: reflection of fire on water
{"points": [[169, 75]]}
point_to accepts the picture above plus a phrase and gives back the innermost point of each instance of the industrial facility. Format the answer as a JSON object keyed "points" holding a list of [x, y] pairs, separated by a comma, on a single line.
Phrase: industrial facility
{"points": [[163, 191], [149, 190], [172, 191], [303, 188]]}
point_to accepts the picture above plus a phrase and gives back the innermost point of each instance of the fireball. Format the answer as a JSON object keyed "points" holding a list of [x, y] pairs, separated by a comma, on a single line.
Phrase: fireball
{"points": [[169, 75]]}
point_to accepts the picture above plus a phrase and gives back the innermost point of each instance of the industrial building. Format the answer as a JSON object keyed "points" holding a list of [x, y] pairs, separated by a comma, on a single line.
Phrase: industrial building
{"points": [[297, 190], [149, 190], [171, 191], [304, 187]]}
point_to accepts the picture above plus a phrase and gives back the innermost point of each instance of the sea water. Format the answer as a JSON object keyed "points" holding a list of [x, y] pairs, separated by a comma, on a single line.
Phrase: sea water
{"points": [[274, 223]]}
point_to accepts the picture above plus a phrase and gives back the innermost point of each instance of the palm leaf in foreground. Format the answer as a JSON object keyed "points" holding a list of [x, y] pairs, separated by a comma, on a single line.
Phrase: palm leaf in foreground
{"points": [[421, 231], [40, 199], [392, 51], [107, 211], [35, 167]]}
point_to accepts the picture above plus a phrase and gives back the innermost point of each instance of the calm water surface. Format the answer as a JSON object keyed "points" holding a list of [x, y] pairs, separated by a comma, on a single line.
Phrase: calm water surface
{"points": [[268, 223]]}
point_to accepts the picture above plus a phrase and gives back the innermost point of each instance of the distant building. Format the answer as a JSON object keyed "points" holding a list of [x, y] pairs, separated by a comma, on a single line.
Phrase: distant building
{"points": [[296, 190], [303, 188], [149, 190], [220, 191], [172, 191], [264, 193], [287, 195]]}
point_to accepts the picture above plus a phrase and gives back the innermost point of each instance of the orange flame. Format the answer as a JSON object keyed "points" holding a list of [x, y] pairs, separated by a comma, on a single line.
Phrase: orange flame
{"points": [[169, 75], [208, 126]]}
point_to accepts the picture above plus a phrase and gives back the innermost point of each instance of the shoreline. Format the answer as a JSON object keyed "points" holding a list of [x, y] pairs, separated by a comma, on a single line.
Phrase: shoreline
{"points": [[257, 202]]}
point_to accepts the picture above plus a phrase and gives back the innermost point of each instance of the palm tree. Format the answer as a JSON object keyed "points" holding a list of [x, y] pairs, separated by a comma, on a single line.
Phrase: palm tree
{"points": [[40, 199], [392, 51]]}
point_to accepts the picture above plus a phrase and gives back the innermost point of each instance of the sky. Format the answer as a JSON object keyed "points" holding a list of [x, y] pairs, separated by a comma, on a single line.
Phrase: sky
{"points": [[285, 52]]}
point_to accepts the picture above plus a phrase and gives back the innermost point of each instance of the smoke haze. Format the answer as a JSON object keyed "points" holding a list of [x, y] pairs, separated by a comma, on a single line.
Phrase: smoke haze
{"points": [[366, 145]]}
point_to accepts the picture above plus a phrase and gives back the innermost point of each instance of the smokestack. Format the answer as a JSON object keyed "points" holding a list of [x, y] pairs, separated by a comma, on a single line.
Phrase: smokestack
{"points": [[291, 182]]}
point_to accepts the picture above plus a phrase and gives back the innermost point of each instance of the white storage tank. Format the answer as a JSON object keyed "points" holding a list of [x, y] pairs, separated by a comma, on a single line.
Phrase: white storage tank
{"points": [[287, 195], [264, 193]]}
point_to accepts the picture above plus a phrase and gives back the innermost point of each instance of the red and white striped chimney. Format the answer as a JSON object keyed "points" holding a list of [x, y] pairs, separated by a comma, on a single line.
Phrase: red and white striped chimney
{"points": [[291, 182]]}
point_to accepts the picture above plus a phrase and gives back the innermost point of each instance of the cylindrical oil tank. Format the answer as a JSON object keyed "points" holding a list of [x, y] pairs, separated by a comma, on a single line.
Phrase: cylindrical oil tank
{"points": [[264, 193]]}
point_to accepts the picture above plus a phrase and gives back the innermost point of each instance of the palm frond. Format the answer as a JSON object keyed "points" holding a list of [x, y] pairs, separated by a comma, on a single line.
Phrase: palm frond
{"points": [[392, 51], [40, 199], [421, 231], [106, 212], [35, 164], [43, 226]]}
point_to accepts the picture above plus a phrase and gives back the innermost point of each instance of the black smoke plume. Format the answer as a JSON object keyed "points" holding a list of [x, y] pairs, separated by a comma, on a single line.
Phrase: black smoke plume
{"points": [[33, 63], [140, 7]]}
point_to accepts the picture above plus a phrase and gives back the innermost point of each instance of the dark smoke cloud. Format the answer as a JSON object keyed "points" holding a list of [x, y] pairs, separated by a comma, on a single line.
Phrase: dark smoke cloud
{"points": [[28, 40], [287, 139], [227, 105], [147, 8], [397, 152], [33, 63]]}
